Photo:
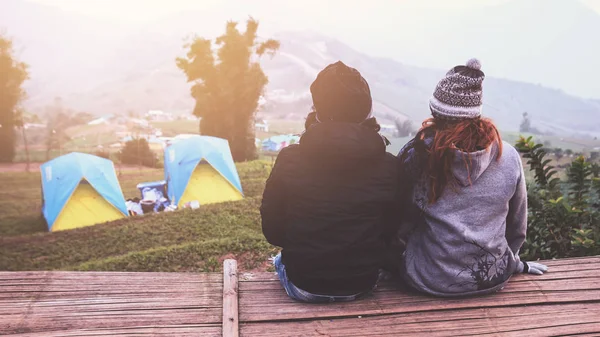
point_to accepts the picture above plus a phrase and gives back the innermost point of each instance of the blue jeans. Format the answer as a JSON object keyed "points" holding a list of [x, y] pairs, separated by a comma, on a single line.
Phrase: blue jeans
{"points": [[303, 295]]}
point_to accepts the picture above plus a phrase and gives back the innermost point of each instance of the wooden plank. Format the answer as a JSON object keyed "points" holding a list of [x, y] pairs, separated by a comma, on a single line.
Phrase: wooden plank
{"points": [[230, 299], [266, 300], [209, 330], [576, 268], [35, 302], [114, 276], [540, 320], [564, 301]]}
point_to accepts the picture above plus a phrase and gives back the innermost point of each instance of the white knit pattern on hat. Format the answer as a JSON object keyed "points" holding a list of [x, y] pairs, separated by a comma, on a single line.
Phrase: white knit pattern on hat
{"points": [[443, 110], [459, 94]]}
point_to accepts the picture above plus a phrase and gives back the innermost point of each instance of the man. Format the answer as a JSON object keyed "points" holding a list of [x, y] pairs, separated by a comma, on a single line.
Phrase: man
{"points": [[329, 202]]}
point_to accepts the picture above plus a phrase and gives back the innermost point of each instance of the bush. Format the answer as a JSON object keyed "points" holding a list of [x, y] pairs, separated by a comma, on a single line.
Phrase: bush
{"points": [[102, 154], [564, 217], [137, 152]]}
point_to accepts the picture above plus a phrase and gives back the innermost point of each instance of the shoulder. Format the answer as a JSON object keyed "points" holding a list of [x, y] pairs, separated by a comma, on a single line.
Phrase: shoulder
{"points": [[511, 159], [510, 150], [289, 151], [288, 155], [408, 157], [510, 153]]}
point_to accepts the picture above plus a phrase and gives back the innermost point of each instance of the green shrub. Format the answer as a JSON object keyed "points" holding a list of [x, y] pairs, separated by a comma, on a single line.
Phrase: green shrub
{"points": [[564, 219], [102, 154], [137, 152]]}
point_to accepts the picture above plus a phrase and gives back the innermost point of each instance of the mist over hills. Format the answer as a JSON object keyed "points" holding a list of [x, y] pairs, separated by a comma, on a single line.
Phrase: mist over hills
{"points": [[103, 68]]}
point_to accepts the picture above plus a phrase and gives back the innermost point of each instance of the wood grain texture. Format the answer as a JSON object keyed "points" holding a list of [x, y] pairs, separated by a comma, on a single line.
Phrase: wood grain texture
{"points": [[564, 301], [88, 303], [230, 299]]}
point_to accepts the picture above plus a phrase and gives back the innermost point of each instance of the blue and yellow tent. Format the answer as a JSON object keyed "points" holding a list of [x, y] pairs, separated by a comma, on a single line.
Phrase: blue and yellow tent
{"points": [[80, 190], [201, 168]]}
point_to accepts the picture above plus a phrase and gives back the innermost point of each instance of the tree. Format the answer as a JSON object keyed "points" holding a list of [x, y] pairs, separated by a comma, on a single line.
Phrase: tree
{"points": [[525, 123], [12, 75], [81, 118], [558, 153], [579, 175], [227, 87], [137, 152], [58, 122], [20, 123]]}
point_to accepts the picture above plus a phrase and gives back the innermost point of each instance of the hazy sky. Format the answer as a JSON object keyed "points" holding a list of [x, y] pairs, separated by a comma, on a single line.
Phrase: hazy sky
{"points": [[147, 10], [410, 31]]}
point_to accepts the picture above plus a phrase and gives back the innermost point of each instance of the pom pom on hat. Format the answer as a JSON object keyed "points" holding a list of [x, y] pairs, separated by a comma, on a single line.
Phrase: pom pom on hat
{"points": [[474, 64]]}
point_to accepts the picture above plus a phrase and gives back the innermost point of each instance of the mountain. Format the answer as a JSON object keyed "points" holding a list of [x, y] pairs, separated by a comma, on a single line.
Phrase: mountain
{"points": [[403, 90], [102, 68], [553, 42]]}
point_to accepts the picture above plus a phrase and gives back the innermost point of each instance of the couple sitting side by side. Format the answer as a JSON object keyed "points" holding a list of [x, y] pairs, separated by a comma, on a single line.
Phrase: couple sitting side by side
{"points": [[447, 216]]}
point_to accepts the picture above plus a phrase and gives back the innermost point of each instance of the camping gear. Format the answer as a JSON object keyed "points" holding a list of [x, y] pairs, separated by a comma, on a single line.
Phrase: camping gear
{"points": [[161, 204], [192, 204], [157, 185], [170, 208], [201, 168], [80, 190], [147, 206], [133, 207]]}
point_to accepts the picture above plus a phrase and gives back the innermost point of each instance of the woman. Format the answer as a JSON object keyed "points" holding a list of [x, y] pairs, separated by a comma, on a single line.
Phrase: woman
{"points": [[466, 193], [329, 200]]}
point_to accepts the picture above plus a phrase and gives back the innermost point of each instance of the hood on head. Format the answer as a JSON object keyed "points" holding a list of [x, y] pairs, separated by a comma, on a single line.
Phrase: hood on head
{"points": [[342, 143], [468, 167]]}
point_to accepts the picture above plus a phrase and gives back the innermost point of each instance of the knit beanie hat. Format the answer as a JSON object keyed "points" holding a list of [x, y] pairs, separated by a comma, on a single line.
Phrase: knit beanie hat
{"points": [[459, 95], [341, 94]]}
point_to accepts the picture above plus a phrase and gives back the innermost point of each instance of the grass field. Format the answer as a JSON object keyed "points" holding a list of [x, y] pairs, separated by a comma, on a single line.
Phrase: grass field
{"points": [[187, 240], [181, 241]]}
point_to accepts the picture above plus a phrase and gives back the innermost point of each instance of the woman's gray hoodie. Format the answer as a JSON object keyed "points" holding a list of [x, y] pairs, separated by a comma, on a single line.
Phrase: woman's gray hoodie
{"points": [[467, 242]]}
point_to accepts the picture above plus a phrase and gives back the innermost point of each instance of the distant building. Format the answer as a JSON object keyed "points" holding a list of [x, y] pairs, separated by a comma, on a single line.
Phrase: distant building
{"points": [[276, 143], [99, 121], [140, 122], [261, 125], [159, 116], [388, 128], [123, 134], [34, 126]]}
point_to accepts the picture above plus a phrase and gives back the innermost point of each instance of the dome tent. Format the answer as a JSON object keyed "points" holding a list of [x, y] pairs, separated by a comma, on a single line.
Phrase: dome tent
{"points": [[201, 168], [80, 190]]}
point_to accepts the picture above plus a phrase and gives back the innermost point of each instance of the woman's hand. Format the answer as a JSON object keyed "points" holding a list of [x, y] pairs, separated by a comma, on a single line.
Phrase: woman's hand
{"points": [[532, 268]]}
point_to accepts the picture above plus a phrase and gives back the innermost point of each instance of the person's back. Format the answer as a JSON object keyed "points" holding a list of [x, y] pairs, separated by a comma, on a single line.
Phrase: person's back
{"points": [[328, 200], [474, 230], [469, 198]]}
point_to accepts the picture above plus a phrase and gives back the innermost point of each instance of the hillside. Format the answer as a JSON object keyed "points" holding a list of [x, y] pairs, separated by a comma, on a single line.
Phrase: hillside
{"points": [[181, 241]]}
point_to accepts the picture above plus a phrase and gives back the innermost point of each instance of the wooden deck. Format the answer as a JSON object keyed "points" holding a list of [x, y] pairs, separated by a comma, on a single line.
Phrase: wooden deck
{"points": [[564, 301]]}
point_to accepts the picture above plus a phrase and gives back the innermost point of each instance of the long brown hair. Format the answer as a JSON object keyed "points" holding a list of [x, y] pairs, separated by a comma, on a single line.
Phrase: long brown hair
{"points": [[447, 136]]}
